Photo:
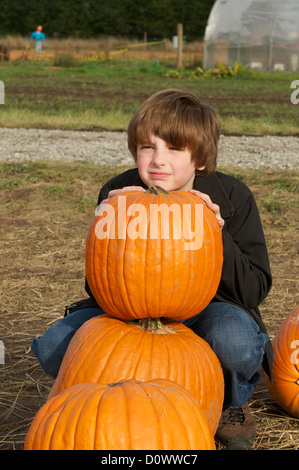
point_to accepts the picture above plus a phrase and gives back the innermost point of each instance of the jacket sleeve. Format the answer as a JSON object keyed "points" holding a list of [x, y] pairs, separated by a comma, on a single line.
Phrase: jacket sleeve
{"points": [[246, 276]]}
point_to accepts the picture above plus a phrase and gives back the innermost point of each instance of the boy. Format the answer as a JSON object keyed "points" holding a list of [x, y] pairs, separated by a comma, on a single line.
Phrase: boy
{"points": [[173, 138]]}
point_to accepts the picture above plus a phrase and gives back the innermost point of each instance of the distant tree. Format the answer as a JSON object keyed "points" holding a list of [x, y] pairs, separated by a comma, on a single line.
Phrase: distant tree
{"points": [[89, 18]]}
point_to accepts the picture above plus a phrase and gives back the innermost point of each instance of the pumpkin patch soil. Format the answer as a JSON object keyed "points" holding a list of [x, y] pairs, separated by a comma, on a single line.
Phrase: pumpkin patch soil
{"points": [[42, 260]]}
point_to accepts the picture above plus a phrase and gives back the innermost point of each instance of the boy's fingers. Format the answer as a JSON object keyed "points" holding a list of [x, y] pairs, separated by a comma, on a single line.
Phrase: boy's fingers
{"points": [[214, 207], [115, 192]]}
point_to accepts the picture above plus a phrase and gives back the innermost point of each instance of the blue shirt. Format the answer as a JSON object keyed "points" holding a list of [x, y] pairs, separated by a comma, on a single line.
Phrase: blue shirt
{"points": [[37, 36]]}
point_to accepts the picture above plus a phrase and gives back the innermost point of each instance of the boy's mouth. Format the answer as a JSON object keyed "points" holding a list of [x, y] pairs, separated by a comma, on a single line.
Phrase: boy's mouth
{"points": [[158, 175]]}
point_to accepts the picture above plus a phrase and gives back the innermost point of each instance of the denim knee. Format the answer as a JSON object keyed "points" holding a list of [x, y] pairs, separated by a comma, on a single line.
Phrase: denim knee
{"points": [[238, 343], [51, 347], [233, 335]]}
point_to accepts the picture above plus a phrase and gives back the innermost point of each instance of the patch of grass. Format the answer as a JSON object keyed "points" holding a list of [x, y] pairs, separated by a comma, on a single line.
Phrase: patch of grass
{"points": [[274, 206], [276, 193], [104, 95]]}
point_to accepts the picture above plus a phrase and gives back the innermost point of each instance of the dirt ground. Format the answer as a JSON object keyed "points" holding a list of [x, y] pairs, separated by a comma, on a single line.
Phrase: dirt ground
{"points": [[192, 52], [42, 258]]}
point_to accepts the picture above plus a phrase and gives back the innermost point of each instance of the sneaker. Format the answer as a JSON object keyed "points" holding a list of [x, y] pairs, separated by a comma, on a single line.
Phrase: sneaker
{"points": [[236, 429]]}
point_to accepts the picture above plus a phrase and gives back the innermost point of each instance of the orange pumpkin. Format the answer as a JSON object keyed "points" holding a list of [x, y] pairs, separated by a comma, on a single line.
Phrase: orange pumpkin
{"points": [[156, 415], [106, 350], [140, 265], [285, 385]]}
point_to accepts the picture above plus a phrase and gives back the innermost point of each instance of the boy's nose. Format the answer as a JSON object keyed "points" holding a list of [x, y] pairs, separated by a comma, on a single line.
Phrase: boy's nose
{"points": [[159, 157]]}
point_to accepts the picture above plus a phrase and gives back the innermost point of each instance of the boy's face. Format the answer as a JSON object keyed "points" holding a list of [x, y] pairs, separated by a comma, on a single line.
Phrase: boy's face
{"points": [[161, 164]]}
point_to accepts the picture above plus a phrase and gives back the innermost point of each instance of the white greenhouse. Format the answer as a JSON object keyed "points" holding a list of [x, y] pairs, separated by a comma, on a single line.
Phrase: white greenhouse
{"points": [[260, 34]]}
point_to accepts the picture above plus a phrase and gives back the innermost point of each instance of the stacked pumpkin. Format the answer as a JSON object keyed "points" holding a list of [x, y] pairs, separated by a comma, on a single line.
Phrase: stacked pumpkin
{"points": [[285, 386], [136, 377]]}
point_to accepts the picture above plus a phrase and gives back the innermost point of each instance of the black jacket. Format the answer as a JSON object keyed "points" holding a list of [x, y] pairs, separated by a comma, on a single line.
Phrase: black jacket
{"points": [[246, 276]]}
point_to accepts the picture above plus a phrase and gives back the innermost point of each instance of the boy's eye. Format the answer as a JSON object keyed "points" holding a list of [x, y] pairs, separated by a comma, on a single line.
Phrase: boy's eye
{"points": [[151, 146]]}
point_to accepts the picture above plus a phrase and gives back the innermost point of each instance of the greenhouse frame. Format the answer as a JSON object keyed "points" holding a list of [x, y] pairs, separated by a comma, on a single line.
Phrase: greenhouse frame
{"points": [[259, 34]]}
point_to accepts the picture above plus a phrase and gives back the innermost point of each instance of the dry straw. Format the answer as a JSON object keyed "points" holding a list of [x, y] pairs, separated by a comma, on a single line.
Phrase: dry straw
{"points": [[42, 260]]}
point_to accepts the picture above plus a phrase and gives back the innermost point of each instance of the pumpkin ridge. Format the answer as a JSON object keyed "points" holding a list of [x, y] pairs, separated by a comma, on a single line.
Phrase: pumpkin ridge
{"points": [[144, 287], [141, 345], [95, 423], [120, 390], [113, 350], [176, 410], [198, 378], [123, 292], [63, 406], [97, 340], [210, 254], [201, 382], [162, 254], [98, 343], [146, 300], [133, 265], [200, 417], [173, 200], [187, 198], [101, 272], [86, 403], [149, 339], [189, 251], [142, 386], [40, 421], [149, 392]]}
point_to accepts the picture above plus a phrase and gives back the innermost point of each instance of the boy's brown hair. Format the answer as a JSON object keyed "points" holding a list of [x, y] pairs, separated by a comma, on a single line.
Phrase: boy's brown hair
{"points": [[179, 118]]}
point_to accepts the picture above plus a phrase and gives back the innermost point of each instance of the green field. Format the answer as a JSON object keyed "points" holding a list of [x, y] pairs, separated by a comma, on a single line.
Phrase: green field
{"points": [[103, 95]]}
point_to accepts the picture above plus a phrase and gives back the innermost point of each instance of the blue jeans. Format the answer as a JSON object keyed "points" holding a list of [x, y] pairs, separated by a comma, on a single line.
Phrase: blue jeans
{"points": [[231, 332]]}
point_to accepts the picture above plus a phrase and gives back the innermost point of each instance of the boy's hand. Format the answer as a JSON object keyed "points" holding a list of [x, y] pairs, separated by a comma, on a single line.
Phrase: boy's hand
{"points": [[115, 192], [214, 207]]}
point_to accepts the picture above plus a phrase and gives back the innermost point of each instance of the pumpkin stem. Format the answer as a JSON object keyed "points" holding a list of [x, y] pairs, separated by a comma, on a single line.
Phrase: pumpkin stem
{"points": [[113, 384], [154, 325], [150, 323], [156, 190]]}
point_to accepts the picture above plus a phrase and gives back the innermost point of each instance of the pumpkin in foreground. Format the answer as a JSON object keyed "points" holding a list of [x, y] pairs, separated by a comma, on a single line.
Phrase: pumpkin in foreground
{"points": [[106, 350], [141, 264], [285, 385], [155, 415]]}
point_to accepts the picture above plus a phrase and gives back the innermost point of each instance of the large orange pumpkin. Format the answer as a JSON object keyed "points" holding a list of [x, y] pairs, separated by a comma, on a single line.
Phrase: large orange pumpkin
{"points": [[285, 385], [106, 350], [140, 265], [156, 415]]}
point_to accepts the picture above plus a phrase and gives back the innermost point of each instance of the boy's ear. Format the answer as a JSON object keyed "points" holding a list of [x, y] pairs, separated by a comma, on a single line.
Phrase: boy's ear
{"points": [[200, 168]]}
